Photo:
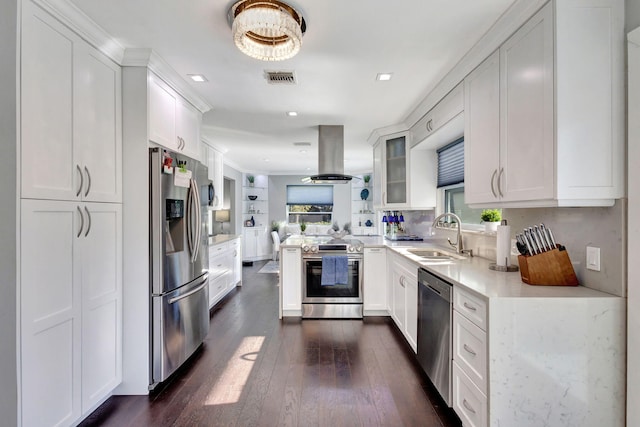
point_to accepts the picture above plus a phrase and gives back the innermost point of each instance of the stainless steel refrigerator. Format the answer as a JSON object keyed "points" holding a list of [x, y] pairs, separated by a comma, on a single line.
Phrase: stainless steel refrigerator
{"points": [[180, 192]]}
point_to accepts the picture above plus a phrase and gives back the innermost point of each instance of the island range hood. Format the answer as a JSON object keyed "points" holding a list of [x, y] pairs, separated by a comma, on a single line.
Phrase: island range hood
{"points": [[330, 157]]}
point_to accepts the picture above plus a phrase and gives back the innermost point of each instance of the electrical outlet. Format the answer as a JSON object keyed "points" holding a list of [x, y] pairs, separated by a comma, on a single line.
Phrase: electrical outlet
{"points": [[593, 258]]}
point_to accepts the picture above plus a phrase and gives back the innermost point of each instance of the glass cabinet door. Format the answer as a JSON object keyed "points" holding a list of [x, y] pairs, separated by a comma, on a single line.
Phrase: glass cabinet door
{"points": [[396, 170]]}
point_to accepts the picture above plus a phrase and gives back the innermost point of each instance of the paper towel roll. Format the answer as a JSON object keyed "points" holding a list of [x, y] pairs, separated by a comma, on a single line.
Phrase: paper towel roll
{"points": [[503, 245]]}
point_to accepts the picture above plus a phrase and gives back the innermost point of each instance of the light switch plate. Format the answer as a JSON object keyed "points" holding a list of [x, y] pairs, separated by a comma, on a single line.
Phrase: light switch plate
{"points": [[593, 258]]}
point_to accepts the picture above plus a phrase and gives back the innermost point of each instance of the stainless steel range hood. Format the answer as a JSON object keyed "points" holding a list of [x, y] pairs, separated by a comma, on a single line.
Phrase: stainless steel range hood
{"points": [[330, 156]]}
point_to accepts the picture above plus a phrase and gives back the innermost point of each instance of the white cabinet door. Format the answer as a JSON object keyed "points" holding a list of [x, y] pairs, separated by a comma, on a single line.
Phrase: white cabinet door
{"points": [[375, 279], [482, 131], [250, 244], [162, 114], [188, 121], [71, 115], [398, 299], [265, 243], [378, 201], [50, 309], [236, 260], [101, 265], [215, 164], [98, 125], [411, 310], [291, 279], [527, 113]]}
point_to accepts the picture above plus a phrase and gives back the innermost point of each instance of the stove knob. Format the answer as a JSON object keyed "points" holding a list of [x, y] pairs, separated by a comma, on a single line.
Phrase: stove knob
{"points": [[359, 249], [314, 249], [351, 249], [305, 248]]}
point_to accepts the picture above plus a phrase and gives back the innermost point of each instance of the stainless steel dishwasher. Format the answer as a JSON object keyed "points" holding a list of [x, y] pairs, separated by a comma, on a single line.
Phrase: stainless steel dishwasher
{"points": [[434, 331]]}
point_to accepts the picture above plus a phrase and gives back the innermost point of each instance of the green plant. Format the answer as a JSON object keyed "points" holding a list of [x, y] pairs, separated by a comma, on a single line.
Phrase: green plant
{"points": [[347, 227], [491, 215], [366, 178], [303, 226], [275, 226], [335, 226], [250, 178]]}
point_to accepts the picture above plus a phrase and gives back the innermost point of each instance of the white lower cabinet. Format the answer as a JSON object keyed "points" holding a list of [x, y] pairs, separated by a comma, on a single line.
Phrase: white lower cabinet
{"points": [[374, 292], [225, 269], [470, 369], [468, 401], [291, 281], [70, 308], [404, 297], [257, 243]]}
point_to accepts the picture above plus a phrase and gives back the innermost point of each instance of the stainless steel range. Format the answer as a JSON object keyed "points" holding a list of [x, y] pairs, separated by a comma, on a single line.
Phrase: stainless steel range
{"points": [[336, 294]]}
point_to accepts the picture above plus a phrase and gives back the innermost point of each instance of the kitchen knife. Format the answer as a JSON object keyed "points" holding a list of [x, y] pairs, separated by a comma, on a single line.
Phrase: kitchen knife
{"points": [[522, 246], [541, 239], [552, 239], [529, 239], [535, 236], [545, 233]]}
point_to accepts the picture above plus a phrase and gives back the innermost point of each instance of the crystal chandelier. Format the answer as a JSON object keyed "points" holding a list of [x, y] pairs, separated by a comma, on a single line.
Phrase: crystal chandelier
{"points": [[269, 30]]}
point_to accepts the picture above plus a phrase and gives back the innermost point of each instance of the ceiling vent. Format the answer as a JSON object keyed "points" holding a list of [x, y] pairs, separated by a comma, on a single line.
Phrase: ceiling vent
{"points": [[281, 77]]}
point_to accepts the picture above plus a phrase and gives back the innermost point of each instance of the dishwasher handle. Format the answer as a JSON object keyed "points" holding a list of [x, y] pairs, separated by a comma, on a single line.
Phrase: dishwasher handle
{"points": [[434, 284]]}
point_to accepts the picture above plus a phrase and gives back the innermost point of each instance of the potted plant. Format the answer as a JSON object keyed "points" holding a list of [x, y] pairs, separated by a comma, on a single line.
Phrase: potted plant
{"points": [[251, 179], [491, 219], [303, 226], [275, 226], [366, 179]]}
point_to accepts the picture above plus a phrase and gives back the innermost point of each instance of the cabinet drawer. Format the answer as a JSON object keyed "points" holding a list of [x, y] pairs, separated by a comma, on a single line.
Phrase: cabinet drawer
{"points": [[472, 307], [468, 401], [470, 350]]}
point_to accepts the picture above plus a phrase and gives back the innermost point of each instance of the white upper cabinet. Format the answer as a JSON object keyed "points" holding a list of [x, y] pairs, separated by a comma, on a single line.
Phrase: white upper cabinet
{"points": [[71, 115], [544, 114], [215, 164], [444, 111], [173, 122]]}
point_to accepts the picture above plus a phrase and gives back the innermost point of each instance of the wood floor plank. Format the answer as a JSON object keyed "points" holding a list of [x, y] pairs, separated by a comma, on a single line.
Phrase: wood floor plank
{"points": [[256, 370]]}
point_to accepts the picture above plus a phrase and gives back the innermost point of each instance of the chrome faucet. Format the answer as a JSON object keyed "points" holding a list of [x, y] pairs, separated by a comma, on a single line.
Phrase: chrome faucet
{"points": [[459, 243]]}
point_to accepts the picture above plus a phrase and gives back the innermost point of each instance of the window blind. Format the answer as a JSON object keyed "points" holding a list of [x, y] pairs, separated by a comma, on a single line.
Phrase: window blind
{"points": [[451, 163], [309, 194]]}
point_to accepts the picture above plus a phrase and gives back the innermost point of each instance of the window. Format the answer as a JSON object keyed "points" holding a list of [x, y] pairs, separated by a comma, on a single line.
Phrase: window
{"points": [[451, 183], [312, 204]]}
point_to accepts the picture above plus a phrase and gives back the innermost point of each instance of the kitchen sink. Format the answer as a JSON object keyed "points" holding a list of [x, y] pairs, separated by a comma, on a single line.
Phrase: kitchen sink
{"points": [[429, 253]]}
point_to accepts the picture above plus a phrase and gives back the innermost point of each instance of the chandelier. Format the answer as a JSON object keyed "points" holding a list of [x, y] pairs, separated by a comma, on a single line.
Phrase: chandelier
{"points": [[269, 30]]}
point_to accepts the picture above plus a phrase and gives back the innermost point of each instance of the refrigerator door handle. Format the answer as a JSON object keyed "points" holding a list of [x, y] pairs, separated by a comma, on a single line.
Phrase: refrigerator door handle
{"points": [[198, 225], [191, 292], [190, 221]]}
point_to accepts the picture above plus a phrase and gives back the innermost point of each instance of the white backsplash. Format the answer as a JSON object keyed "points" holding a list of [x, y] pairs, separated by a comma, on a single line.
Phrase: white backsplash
{"points": [[575, 228]]}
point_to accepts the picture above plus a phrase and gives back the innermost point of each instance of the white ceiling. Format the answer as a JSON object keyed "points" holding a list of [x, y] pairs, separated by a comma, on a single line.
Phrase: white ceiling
{"points": [[346, 44]]}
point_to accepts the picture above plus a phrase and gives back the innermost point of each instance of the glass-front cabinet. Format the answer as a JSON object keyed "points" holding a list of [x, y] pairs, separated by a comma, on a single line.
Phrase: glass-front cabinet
{"points": [[396, 171]]}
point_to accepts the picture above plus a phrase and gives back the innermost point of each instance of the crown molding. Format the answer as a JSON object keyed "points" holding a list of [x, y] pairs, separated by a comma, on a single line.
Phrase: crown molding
{"points": [[67, 13], [145, 57], [385, 131]]}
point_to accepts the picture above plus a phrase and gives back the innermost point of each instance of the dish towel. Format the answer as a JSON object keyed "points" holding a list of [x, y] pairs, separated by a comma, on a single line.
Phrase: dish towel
{"points": [[342, 270], [335, 270], [328, 277]]}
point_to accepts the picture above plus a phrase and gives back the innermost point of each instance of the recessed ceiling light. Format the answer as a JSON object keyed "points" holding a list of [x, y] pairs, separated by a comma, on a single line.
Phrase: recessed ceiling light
{"points": [[302, 144], [198, 78], [382, 77], [292, 113]]}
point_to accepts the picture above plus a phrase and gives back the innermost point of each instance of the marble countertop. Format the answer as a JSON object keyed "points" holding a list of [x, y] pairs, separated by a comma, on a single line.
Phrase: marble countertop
{"points": [[221, 238], [472, 273]]}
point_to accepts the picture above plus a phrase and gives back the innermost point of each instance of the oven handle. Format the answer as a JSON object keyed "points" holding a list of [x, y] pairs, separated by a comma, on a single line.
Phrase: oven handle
{"points": [[350, 256]]}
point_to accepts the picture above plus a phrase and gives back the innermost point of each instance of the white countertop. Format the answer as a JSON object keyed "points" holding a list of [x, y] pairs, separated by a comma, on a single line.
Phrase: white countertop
{"points": [[221, 238], [471, 273]]}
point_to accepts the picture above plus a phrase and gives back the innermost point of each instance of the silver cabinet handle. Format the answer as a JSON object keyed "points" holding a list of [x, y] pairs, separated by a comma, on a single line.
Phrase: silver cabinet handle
{"points": [[467, 406], [493, 177], [469, 307], [86, 193], [89, 219], [81, 181], [499, 179], [81, 221], [469, 350], [402, 281]]}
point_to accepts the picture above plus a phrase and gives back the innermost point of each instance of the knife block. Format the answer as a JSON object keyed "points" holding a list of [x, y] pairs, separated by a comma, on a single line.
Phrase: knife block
{"points": [[552, 268]]}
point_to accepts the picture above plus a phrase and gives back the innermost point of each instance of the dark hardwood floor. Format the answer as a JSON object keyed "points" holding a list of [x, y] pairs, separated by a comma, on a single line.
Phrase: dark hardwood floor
{"points": [[255, 370]]}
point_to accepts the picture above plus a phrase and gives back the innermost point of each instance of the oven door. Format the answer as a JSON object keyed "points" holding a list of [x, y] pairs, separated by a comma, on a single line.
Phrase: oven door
{"points": [[314, 292]]}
